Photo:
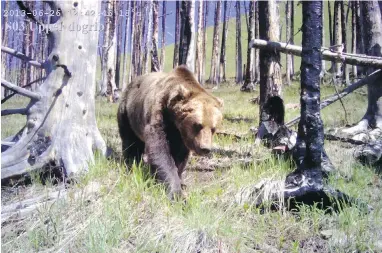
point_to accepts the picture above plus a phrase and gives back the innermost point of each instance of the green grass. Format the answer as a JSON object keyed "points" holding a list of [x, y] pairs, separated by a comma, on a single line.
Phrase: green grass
{"points": [[131, 213]]}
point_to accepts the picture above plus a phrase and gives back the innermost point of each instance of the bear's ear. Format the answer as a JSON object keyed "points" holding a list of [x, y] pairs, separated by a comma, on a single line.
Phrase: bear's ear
{"points": [[220, 102], [184, 93]]}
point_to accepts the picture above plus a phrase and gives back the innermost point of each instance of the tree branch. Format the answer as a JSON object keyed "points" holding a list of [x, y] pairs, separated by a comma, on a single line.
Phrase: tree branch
{"points": [[328, 55], [369, 79], [22, 111], [27, 85], [22, 56], [20, 90]]}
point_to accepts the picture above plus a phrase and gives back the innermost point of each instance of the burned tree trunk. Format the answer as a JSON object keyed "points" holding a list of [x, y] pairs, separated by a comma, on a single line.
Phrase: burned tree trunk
{"points": [[155, 64], [354, 35], [344, 42], [337, 37], [239, 64], [257, 52], [187, 35], [163, 41], [206, 7], [190, 61], [199, 43], [372, 36], [249, 83], [126, 43], [61, 128], [150, 37], [109, 50], [177, 34], [270, 69], [214, 73], [223, 63], [4, 42]]}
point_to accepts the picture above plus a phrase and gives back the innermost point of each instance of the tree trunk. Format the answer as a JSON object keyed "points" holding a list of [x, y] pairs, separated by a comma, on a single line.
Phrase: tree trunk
{"points": [[61, 128], [354, 35], [372, 36], [199, 47], [323, 64], [215, 52], [249, 83], [206, 7], [288, 64], [163, 42], [177, 34], [331, 41], [4, 42], [239, 63], [142, 35], [155, 64], [257, 52], [118, 36], [337, 40], [223, 63], [125, 76], [132, 41], [108, 86], [310, 128], [151, 39], [292, 35], [344, 42], [270, 69], [190, 62], [360, 27]]}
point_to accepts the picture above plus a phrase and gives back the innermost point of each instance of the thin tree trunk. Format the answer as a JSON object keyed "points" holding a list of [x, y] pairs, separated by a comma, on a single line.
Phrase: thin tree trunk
{"points": [[288, 64], [163, 42], [190, 62], [199, 47], [151, 39], [354, 35], [331, 41], [344, 42], [270, 69], [177, 34], [118, 31], [132, 42], [360, 41], [337, 40], [206, 7], [223, 63], [257, 52], [249, 84], [215, 52], [155, 64], [125, 79], [292, 35], [4, 42], [143, 38], [323, 64], [239, 63]]}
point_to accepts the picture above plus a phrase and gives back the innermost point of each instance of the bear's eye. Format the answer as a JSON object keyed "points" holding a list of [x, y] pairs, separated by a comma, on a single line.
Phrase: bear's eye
{"points": [[197, 127], [213, 130]]}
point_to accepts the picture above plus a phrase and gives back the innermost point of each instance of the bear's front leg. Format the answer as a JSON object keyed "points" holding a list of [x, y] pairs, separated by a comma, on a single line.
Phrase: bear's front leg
{"points": [[157, 151]]}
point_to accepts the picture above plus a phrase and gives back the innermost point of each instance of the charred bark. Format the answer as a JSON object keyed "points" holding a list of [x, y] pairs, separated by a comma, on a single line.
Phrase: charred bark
{"points": [[177, 34], [214, 73], [239, 64], [222, 65], [163, 41], [199, 43], [155, 63]]}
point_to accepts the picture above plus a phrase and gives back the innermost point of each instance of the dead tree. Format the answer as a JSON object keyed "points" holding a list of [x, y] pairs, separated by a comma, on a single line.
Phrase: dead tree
{"points": [[354, 35], [206, 8], [150, 38], [163, 41], [214, 73], [132, 41], [61, 129], [337, 37], [344, 42], [257, 52], [109, 51], [118, 46], [155, 64], [239, 63], [223, 63], [199, 43], [4, 42], [125, 74], [177, 34], [372, 36], [249, 84], [187, 35], [270, 69], [190, 61], [288, 17]]}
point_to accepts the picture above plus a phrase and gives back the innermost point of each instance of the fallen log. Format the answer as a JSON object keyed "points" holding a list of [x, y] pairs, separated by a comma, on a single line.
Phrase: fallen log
{"points": [[328, 55], [370, 78]]}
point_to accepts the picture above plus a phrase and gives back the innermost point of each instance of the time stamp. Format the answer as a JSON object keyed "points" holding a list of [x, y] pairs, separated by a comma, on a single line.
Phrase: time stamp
{"points": [[75, 12]]}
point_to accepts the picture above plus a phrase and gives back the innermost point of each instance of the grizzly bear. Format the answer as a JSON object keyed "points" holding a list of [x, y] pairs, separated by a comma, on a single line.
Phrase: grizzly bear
{"points": [[163, 117]]}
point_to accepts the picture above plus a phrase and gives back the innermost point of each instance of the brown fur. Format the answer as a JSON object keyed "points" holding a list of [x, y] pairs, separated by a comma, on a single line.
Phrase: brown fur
{"points": [[165, 116]]}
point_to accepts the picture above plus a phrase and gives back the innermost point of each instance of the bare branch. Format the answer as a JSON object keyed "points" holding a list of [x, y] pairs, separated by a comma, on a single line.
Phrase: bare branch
{"points": [[22, 111], [27, 85], [20, 90], [326, 53], [7, 143], [369, 79], [21, 56]]}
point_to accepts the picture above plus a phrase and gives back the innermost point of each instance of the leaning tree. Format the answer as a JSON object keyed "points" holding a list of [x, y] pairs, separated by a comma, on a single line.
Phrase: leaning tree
{"points": [[60, 129]]}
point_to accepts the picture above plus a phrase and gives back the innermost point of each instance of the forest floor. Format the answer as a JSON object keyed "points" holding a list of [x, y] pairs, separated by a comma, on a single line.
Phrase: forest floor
{"points": [[111, 210]]}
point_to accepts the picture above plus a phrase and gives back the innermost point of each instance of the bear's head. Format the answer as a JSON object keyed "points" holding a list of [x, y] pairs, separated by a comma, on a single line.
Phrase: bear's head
{"points": [[198, 114]]}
